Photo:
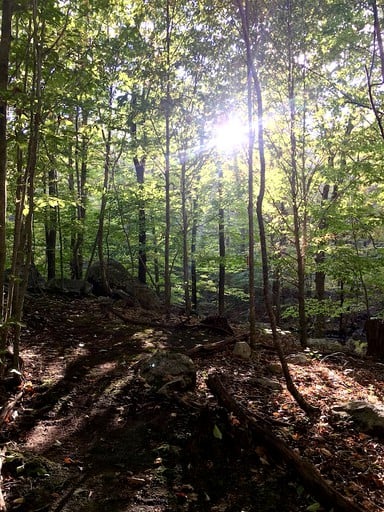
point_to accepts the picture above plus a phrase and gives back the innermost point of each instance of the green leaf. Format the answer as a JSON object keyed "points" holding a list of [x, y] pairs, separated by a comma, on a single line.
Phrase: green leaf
{"points": [[314, 507], [217, 433]]}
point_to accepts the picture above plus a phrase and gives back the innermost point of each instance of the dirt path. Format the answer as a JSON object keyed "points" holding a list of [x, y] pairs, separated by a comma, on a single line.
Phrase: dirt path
{"points": [[91, 436]]}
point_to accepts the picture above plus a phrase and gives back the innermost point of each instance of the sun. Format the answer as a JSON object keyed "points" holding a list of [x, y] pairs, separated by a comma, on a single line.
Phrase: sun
{"points": [[230, 134]]}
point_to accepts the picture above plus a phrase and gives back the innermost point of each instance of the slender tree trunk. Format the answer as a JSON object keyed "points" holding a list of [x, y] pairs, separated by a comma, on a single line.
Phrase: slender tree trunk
{"points": [[251, 209], [244, 14], [193, 257], [103, 207], [320, 272], [81, 195], [221, 295], [5, 42], [167, 267], [184, 216], [298, 222], [51, 225], [22, 246], [142, 263]]}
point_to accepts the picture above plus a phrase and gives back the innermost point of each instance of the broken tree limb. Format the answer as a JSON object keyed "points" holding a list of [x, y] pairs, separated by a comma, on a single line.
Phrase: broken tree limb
{"points": [[212, 347], [3, 506], [309, 475], [7, 410]]}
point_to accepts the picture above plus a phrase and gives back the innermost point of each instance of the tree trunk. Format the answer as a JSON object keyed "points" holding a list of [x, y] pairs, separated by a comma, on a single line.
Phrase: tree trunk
{"points": [[244, 14], [184, 219], [193, 257], [167, 268], [221, 294], [104, 198], [22, 243], [51, 226], [320, 273], [142, 263], [79, 190], [5, 42], [251, 212]]}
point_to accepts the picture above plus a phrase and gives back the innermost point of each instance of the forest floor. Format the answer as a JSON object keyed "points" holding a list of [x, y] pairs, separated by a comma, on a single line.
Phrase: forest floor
{"points": [[85, 433]]}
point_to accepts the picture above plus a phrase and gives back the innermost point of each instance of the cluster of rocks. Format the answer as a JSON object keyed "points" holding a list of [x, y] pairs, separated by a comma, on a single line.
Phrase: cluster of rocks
{"points": [[122, 284]]}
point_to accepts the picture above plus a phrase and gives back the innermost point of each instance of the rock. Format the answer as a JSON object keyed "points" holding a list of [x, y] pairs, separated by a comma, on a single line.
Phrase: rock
{"points": [[146, 297], [369, 417], [67, 286], [275, 368], [165, 370], [121, 281], [242, 350], [36, 282], [267, 383], [118, 276], [325, 345], [299, 359]]}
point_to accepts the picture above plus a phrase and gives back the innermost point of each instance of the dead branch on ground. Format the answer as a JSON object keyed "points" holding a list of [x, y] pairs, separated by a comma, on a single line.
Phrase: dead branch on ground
{"points": [[3, 506], [310, 476]]}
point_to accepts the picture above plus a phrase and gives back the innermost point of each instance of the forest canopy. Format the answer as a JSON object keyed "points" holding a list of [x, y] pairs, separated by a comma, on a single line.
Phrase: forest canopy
{"points": [[148, 132]]}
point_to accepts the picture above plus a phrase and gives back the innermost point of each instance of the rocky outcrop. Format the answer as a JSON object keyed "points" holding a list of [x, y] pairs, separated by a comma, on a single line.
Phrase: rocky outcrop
{"points": [[122, 282], [76, 287], [36, 282], [368, 417]]}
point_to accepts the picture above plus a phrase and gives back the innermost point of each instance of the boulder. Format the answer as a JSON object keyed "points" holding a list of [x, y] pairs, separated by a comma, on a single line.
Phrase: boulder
{"points": [[298, 359], [118, 276], [165, 370], [122, 281], [36, 282], [368, 417], [264, 382], [242, 350], [66, 286]]}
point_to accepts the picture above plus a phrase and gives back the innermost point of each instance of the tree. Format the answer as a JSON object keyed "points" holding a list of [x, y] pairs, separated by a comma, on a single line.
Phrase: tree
{"points": [[245, 13], [5, 42]]}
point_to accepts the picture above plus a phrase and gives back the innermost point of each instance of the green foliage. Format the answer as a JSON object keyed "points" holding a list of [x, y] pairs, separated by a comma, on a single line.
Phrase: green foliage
{"points": [[104, 71]]}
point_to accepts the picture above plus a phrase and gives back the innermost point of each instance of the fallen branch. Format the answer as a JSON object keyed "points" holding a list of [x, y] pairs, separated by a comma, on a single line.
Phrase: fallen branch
{"points": [[134, 321], [7, 410], [212, 347], [3, 506], [310, 476]]}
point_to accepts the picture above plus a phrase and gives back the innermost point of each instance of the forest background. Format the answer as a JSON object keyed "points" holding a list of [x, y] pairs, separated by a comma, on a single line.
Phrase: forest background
{"points": [[193, 141]]}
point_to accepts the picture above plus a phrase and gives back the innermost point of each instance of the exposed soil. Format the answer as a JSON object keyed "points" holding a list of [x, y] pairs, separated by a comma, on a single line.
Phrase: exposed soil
{"points": [[87, 434]]}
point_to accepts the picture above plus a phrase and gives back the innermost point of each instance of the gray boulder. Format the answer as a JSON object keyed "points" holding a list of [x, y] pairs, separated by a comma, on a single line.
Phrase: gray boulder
{"points": [[67, 286], [368, 417], [169, 370], [118, 276], [242, 350], [120, 280], [36, 282]]}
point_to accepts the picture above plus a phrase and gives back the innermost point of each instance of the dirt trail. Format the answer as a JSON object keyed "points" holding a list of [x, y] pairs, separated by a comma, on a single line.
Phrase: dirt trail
{"points": [[95, 438]]}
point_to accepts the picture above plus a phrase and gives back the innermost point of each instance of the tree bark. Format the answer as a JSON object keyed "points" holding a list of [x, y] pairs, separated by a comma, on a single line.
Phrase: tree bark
{"points": [[5, 43], [51, 226], [142, 263], [221, 294], [184, 220], [167, 267]]}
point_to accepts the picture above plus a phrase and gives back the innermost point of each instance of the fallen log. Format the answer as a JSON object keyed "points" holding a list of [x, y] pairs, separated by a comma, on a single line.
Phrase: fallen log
{"points": [[309, 475], [212, 347]]}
